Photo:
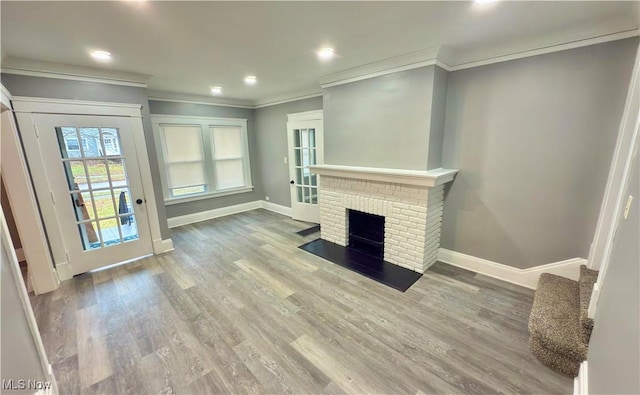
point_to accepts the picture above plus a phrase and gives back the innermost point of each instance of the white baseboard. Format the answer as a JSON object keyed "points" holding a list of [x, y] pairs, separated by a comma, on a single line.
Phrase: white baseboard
{"points": [[276, 208], [528, 278], [161, 246], [64, 271], [581, 383], [211, 214], [224, 211]]}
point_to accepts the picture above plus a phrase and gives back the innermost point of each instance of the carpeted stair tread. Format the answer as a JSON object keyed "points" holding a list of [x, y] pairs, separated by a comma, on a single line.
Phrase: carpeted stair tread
{"points": [[557, 362], [555, 317], [588, 278]]}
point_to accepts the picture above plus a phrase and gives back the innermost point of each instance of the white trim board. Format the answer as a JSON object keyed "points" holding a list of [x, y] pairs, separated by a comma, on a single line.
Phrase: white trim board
{"points": [[182, 220], [428, 178], [581, 382], [5, 97], [43, 105], [528, 278]]}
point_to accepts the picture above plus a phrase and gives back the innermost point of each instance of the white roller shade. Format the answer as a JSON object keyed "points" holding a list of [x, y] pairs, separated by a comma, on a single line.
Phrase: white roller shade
{"points": [[229, 173], [184, 156], [227, 142], [183, 143]]}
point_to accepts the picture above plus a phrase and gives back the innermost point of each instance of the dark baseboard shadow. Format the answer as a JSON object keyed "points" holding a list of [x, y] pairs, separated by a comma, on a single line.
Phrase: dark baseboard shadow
{"points": [[308, 231], [376, 269]]}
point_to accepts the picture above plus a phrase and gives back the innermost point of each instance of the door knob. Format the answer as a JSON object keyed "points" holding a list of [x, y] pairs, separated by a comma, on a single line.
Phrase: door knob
{"points": [[292, 182], [139, 201]]}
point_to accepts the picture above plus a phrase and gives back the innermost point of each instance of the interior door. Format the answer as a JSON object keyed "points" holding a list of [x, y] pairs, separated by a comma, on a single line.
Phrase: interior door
{"points": [[94, 181], [305, 149]]}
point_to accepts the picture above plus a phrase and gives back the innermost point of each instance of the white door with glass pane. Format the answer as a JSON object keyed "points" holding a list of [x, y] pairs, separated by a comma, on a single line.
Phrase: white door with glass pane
{"points": [[305, 149], [94, 182]]}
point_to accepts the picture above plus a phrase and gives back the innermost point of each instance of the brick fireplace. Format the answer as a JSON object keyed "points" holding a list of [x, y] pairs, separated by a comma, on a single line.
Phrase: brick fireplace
{"points": [[410, 201]]}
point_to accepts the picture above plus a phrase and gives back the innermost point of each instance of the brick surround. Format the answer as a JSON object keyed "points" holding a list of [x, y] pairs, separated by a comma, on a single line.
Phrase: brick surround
{"points": [[413, 216]]}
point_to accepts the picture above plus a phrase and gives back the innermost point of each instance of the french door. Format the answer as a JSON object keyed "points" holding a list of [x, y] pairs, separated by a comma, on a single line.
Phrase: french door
{"points": [[305, 139], [93, 178]]}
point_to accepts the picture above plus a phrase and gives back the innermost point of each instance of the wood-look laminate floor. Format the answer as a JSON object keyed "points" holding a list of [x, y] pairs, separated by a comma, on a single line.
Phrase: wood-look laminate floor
{"points": [[238, 308]]}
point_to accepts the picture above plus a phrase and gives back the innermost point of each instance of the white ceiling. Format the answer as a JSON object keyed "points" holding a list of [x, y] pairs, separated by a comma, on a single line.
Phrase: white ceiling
{"points": [[187, 47]]}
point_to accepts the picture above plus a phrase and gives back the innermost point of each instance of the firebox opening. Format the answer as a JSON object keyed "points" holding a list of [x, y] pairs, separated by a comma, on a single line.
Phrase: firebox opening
{"points": [[366, 233]]}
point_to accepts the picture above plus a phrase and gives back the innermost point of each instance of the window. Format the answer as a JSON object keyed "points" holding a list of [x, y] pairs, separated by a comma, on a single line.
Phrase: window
{"points": [[228, 156], [111, 145], [72, 144], [202, 157]]}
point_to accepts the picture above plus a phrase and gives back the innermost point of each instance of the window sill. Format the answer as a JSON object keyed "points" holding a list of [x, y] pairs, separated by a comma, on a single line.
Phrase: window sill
{"points": [[209, 195]]}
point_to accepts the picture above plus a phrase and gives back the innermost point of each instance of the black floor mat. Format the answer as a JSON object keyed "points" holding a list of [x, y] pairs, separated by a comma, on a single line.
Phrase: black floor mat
{"points": [[377, 269], [313, 229]]}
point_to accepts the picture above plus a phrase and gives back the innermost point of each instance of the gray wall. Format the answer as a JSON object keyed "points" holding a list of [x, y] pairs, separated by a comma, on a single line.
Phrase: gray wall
{"points": [[533, 139], [205, 110], [20, 85], [271, 127], [438, 117], [380, 122], [614, 349], [20, 358]]}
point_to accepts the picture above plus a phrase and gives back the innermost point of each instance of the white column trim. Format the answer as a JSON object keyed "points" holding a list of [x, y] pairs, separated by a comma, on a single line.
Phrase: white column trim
{"points": [[614, 198], [5, 238]]}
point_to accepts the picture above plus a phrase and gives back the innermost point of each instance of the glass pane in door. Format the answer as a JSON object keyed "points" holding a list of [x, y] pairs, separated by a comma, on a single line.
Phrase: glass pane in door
{"points": [[304, 150], [94, 164]]}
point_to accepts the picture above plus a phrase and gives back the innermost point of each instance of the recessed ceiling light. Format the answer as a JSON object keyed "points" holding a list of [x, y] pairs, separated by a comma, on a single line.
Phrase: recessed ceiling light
{"points": [[102, 56], [484, 1], [216, 90], [326, 53], [250, 79]]}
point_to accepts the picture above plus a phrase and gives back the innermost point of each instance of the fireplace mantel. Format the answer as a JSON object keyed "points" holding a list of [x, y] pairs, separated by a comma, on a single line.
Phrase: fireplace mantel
{"points": [[428, 178]]}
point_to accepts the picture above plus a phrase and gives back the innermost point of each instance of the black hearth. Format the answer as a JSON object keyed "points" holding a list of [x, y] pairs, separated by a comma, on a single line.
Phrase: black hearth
{"points": [[366, 233]]}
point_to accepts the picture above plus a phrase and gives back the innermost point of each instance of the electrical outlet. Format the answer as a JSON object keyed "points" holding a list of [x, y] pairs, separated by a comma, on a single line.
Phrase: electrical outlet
{"points": [[627, 207], [285, 160], [266, 198]]}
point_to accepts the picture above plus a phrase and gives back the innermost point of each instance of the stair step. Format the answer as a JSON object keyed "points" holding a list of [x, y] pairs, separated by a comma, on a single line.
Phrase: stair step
{"points": [[555, 317], [555, 361]]}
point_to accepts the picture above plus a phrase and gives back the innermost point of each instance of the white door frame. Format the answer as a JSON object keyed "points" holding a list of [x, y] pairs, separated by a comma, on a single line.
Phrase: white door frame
{"points": [[25, 107], [24, 205], [614, 198], [292, 119]]}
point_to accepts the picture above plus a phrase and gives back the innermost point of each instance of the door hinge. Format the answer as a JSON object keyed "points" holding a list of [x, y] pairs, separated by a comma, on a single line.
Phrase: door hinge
{"points": [[66, 253], [35, 127], [53, 199]]}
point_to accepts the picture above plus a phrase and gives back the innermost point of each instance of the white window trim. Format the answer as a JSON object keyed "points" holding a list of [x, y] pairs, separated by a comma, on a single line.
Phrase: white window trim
{"points": [[205, 123]]}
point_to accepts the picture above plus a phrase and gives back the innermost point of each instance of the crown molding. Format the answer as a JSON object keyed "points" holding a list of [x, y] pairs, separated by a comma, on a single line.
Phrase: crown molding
{"points": [[35, 68], [439, 56], [197, 99], [548, 49], [281, 99], [445, 58]]}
